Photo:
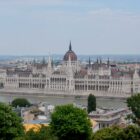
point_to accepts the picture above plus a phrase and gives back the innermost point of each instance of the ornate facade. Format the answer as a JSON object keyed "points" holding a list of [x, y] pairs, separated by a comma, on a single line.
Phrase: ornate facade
{"points": [[71, 77]]}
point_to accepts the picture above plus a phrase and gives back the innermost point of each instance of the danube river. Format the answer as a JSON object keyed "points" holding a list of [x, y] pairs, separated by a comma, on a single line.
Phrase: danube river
{"points": [[56, 100]]}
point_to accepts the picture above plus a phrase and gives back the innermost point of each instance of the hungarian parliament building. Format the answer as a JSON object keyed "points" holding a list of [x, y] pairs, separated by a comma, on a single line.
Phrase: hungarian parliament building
{"points": [[72, 77]]}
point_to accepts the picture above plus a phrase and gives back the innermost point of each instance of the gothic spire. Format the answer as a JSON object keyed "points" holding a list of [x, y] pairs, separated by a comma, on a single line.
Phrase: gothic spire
{"points": [[34, 61], [49, 62], [108, 62], [52, 62], [49, 67], [70, 47], [100, 61], [136, 75], [97, 61], [89, 62]]}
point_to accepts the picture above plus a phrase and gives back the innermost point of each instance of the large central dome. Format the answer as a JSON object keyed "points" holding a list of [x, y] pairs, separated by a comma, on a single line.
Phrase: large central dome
{"points": [[70, 53]]}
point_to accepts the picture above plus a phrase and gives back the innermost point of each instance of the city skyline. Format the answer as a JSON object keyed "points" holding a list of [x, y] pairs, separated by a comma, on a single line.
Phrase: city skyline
{"points": [[40, 27]]}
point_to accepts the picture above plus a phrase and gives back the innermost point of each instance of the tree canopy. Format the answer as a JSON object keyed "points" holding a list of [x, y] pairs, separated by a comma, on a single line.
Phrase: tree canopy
{"points": [[110, 133], [10, 124], [131, 132], [91, 103], [70, 123], [44, 133], [117, 133], [133, 103], [21, 102]]}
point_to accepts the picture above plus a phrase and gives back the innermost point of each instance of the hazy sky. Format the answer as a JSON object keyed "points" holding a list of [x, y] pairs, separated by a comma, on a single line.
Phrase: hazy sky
{"points": [[39, 27]]}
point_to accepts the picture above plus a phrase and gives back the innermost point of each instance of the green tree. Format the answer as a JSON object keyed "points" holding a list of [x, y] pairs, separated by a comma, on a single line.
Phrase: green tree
{"points": [[70, 123], [133, 103], [91, 103], [110, 133], [130, 133], [116, 133], [10, 124], [21, 102], [44, 133]]}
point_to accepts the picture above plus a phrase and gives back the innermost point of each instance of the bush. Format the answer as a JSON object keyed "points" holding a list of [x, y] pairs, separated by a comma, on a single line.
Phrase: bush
{"points": [[110, 133], [21, 102]]}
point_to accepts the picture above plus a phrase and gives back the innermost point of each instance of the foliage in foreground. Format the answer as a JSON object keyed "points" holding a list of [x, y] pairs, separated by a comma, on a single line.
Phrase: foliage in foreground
{"points": [[44, 133], [70, 123], [133, 103], [10, 124], [110, 133], [21, 102], [116, 133]]}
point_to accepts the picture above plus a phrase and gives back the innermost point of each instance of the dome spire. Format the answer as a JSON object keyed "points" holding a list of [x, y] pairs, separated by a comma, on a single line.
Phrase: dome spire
{"points": [[70, 53], [70, 47]]}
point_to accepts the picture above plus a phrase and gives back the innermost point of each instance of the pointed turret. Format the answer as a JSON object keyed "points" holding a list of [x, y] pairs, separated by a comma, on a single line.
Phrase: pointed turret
{"points": [[97, 61], [34, 62], [136, 75], [100, 61], [52, 63], [89, 70], [89, 63], [49, 62], [108, 62], [49, 67]]}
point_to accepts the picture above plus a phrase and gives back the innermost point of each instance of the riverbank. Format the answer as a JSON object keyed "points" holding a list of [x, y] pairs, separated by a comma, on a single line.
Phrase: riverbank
{"points": [[103, 102], [43, 93]]}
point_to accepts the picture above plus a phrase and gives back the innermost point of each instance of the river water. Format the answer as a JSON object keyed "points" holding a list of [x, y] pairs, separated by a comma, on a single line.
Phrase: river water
{"points": [[55, 100]]}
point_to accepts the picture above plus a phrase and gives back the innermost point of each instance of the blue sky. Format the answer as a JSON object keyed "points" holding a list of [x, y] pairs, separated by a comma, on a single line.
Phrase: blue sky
{"points": [[39, 27]]}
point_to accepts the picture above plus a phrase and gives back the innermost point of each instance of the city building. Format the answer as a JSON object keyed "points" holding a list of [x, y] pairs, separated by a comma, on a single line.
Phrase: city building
{"points": [[72, 78], [107, 118]]}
